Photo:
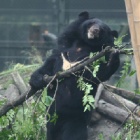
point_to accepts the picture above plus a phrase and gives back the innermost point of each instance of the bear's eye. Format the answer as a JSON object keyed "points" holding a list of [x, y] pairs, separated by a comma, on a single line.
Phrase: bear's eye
{"points": [[91, 24]]}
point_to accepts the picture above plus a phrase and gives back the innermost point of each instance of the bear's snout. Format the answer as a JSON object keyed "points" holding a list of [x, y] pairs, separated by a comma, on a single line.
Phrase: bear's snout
{"points": [[93, 32]]}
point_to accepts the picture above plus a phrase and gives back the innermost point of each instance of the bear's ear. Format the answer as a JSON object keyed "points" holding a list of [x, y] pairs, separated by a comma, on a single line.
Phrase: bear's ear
{"points": [[84, 14], [114, 33]]}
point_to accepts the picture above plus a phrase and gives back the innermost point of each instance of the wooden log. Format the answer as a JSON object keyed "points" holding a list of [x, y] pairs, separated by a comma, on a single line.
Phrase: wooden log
{"points": [[15, 93], [18, 101], [98, 94], [19, 82], [115, 112], [110, 96], [124, 93], [120, 102]]}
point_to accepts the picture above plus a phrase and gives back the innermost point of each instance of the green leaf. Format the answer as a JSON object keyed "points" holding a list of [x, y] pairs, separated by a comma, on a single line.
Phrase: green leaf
{"points": [[118, 41], [88, 89], [92, 54], [91, 99], [87, 107], [49, 100], [96, 68], [92, 105], [124, 73], [54, 118], [132, 72], [44, 94], [85, 100], [102, 59], [137, 91]]}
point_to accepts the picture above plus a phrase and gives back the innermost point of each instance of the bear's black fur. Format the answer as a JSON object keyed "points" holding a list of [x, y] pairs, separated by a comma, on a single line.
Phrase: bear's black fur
{"points": [[70, 33], [92, 36]]}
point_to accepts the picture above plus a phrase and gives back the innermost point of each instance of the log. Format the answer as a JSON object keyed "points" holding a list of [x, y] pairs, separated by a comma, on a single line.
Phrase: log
{"points": [[18, 101], [120, 102], [115, 112], [110, 96], [124, 93], [19, 82], [103, 92], [11, 89]]}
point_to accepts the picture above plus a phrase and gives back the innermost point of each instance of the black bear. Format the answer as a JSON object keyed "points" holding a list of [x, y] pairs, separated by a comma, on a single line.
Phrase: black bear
{"points": [[92, 36], [71, 32]]}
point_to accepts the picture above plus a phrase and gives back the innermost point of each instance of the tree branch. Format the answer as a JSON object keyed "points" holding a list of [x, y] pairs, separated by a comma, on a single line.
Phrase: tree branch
{"points": [[18, 101]]}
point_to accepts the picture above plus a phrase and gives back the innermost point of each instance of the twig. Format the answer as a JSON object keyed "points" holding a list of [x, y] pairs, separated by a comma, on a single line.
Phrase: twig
{"points": [[53, 98], [126, 119], [98, 94], [81, 65]]}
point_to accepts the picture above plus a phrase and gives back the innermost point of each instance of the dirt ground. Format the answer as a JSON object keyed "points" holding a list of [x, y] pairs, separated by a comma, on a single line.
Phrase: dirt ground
{"points": [[105, 127]]}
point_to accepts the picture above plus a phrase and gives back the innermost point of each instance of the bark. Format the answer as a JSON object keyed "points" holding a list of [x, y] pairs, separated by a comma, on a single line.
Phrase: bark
{"points": [[120, 102], [18, 101], [19, 82], [115, 112], [124, 93]]}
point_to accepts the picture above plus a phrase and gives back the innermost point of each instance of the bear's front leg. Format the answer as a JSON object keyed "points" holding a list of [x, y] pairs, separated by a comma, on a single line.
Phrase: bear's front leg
{"points": [[37, 78], [106, 70], [114, 61]]}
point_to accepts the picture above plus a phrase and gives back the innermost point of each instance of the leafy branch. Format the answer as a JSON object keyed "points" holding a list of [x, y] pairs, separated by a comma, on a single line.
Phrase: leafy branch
{"points": [[88, 99], [23, 97]]}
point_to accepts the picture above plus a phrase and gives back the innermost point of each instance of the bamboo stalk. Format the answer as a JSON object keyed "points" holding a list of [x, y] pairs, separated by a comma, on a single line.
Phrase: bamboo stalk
{"points": [[134, 30], [136, 15]]}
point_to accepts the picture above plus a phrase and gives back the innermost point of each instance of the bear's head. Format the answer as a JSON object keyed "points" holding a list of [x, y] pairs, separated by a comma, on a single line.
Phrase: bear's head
{"points": [[97, 34]]}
